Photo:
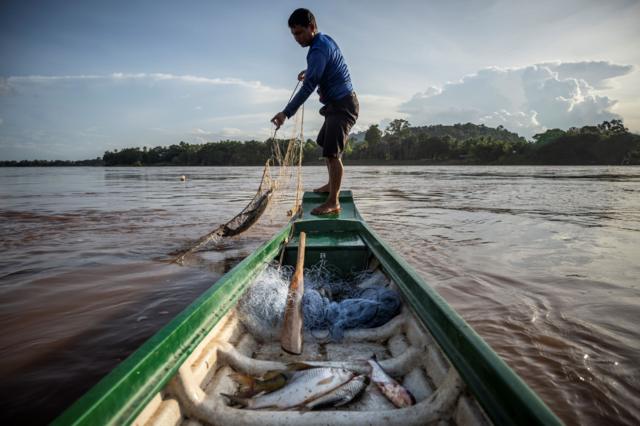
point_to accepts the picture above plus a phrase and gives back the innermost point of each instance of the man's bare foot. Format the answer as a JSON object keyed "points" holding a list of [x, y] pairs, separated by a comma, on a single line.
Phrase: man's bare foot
{"points": [[326, 208], [323, 188]]}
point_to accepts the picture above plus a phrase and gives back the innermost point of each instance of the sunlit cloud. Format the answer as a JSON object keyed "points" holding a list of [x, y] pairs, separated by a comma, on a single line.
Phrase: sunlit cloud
{"points": [[527, 99], [597, 74]]}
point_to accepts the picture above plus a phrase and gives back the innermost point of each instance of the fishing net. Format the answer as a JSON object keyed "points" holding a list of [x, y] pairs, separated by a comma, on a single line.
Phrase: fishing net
{"points": [[287, 157], [329, 302]]}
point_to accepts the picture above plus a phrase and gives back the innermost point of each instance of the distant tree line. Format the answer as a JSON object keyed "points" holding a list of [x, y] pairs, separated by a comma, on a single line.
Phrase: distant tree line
{"points": [[52, 163], [607, 143], [224, 153]]}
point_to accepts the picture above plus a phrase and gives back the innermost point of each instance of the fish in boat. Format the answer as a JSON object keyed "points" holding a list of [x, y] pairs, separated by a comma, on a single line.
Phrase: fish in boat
{"points": [[394, 391], [304, 386], [270, 381], [341, 395]]}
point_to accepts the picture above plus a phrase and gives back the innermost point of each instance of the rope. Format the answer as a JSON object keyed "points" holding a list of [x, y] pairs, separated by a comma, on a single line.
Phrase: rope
{"points": [[278, 153], [297, 205]]}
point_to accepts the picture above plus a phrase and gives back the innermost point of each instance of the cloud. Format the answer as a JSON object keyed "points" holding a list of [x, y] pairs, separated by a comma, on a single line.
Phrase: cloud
{"points": [[260, 92], [126, 106], [231, 131], [519, 122], [595, 73], [203, 136], [200, 132], [526, 100], [375, 109], [1, 121]]}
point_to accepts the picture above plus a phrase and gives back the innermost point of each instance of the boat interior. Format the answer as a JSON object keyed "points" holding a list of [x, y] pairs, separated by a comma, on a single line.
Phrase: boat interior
{"points": [[179, 376], [404, 348]]}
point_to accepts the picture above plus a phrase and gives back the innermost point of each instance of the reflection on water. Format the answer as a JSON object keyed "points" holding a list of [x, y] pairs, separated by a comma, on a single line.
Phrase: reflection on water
{"points": [[541, 261]]}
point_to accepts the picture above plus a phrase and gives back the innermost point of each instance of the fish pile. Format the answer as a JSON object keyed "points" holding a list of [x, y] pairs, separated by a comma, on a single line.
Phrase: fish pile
{"points": [[305, 387]]}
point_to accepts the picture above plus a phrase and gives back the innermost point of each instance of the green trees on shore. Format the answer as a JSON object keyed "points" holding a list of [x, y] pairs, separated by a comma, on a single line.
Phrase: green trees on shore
{"points": [[607, 143], [52, 163], [222, 153]]}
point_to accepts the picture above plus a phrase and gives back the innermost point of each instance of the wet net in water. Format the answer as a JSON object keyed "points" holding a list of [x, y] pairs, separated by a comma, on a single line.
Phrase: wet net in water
{"points": [[287, 158]]}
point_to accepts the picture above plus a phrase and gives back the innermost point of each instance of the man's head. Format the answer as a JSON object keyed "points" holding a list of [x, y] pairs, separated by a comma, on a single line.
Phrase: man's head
{"points": [[303, 26]]}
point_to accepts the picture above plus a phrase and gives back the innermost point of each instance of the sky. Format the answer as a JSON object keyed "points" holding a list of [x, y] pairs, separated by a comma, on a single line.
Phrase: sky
{"points": [[78, 78]]}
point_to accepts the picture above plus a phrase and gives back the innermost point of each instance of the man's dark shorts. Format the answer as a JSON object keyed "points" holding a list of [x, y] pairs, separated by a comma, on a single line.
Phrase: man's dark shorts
{"points": [[339, 118]]}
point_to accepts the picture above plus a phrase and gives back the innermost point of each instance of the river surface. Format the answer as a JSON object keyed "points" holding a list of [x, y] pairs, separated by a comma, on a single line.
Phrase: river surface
{"points": [[543, 262]]}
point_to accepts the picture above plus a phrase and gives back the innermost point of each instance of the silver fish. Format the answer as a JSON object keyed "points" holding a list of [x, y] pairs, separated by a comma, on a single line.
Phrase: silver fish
{"points": [[396, 393], [341, 395], [304, 386]]}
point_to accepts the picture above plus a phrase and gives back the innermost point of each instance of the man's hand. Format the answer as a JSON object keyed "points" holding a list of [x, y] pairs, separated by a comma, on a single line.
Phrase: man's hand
{"points": [[278, 119], [301, 75]]}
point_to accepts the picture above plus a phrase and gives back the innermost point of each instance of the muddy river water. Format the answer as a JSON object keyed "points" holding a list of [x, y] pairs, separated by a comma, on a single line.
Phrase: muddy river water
{"points": [[543, 262]]}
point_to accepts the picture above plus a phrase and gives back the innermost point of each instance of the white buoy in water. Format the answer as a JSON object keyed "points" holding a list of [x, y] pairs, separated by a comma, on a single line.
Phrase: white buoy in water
{"points": [[183, 178]]}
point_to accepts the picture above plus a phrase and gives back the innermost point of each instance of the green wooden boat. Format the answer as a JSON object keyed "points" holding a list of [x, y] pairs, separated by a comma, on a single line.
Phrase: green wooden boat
{"points": [[177, 376]]}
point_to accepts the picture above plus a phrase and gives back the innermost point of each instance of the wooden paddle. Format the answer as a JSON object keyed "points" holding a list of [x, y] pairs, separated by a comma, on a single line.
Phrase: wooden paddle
{"points": [[291, 337]]}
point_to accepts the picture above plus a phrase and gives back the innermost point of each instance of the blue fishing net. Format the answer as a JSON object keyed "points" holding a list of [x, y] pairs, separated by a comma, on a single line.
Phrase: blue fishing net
{"points": [[330, 302], [368, 307]]}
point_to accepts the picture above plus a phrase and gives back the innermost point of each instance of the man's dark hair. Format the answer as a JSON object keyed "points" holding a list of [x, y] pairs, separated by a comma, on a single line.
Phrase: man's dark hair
{"points": [[302, 17]]}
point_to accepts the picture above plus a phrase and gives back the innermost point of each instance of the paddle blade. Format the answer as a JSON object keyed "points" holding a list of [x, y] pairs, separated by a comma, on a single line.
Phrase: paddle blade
{"points": [[291, 337]]}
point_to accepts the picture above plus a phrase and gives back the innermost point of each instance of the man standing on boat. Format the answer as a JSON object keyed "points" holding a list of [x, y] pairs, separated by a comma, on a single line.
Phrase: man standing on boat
{"points": [[327, 70]]}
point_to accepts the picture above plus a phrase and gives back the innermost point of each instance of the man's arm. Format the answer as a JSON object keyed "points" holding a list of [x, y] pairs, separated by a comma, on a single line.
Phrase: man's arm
{"points": [[316, 64]]}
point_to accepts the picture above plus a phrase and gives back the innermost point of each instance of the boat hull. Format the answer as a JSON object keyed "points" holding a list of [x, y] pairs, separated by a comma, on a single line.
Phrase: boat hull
{"points": [[185, 366]]}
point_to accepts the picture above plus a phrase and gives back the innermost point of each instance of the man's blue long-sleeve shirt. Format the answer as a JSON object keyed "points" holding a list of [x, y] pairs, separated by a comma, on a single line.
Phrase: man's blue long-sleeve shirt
{"points": [[327, 70]]}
